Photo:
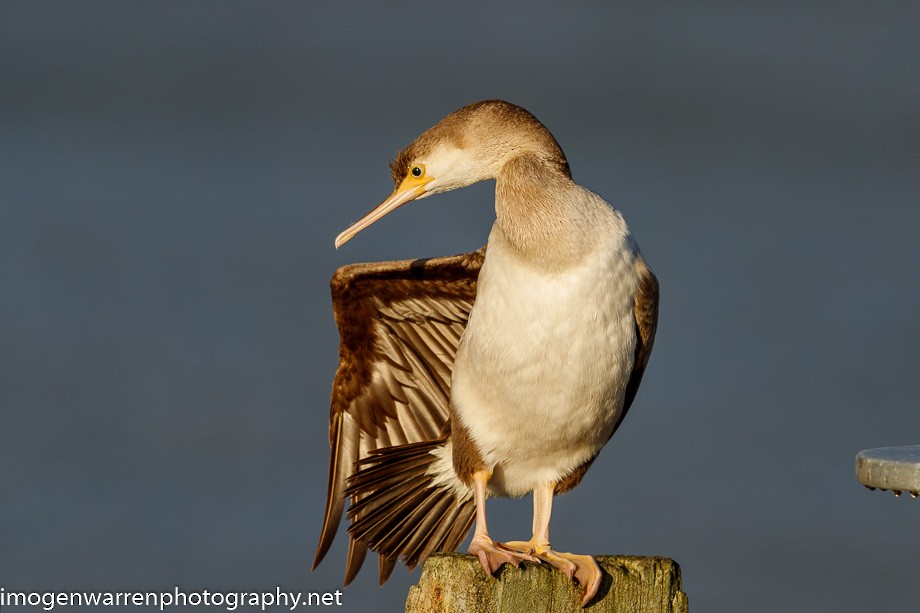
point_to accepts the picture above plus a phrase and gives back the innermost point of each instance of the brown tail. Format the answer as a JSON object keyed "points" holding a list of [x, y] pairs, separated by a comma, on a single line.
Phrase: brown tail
{"points": [[398, 512]]}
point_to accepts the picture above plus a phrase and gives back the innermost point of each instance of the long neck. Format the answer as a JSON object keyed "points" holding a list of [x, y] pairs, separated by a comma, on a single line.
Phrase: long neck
{"points": [[541, 212]]}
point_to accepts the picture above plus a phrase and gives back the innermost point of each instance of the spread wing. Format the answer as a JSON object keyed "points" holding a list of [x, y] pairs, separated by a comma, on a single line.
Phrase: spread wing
{"points": [[400, 324]]}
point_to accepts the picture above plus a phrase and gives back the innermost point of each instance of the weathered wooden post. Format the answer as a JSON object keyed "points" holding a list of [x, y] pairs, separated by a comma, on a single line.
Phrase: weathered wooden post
{"points": [[455, 583]]}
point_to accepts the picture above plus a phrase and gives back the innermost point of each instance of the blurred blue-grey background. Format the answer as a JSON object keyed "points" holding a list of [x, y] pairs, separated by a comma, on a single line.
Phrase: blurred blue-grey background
{"points": [[172, 176]]}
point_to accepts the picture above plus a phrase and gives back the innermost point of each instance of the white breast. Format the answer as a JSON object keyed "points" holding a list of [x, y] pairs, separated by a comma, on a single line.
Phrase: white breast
{"points": [[542, 368]]}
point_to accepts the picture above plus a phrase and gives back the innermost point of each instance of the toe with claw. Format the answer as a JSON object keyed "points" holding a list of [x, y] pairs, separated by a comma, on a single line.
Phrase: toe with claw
{"points": [[580, 568], [492, 554]]}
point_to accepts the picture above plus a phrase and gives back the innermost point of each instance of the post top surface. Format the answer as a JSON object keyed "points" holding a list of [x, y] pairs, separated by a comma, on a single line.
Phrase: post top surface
{"points": [[890, 468]]}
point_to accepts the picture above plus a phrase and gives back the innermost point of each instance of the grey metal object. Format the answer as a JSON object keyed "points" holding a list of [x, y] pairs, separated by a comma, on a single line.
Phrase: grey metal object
{"points": [[890, 468]]}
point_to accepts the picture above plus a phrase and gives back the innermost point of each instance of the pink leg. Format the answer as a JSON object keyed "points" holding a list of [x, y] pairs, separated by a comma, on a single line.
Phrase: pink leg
{"points": [[491, 554], [579, 567]]}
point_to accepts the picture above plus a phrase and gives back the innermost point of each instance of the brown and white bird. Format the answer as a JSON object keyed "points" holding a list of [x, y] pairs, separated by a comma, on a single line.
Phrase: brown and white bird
{"points": [[495, 373]]}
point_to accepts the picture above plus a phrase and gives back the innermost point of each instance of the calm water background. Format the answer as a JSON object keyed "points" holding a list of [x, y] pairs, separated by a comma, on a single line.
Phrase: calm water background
{"points": [[172, 176]]}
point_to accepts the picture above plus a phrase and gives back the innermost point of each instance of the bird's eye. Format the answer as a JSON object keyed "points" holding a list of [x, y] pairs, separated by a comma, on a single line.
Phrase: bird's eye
{"points": [[416, 171]]}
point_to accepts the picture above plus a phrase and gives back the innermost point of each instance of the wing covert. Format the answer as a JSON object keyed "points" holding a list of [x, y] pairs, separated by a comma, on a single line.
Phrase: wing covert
{"points": [[646, 314]]}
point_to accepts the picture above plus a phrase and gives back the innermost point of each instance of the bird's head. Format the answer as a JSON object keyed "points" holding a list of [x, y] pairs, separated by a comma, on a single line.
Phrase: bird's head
{"points": [[468, 146]]}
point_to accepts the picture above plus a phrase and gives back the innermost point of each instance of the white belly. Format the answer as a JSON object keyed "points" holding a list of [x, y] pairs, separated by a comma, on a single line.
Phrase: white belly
{"points": [[541, 371]]}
